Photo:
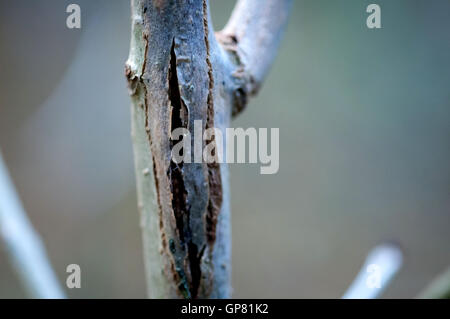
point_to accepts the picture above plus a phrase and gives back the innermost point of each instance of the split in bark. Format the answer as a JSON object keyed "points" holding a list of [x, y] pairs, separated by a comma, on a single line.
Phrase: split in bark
{"points": [[179, 72]]}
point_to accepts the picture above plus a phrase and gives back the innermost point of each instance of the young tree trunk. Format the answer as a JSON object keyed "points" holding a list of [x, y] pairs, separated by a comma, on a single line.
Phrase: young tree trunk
{"points": [[179, 72]]}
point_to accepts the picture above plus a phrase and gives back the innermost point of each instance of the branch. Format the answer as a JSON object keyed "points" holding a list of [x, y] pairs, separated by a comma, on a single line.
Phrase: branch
{"points": [[388, 258], [179, 75], [26, 250], [439, 288], [175, 79], [252, 36]]}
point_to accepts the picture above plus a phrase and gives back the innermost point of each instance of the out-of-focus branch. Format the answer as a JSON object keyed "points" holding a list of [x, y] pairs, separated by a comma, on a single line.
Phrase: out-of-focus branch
{"points": [[439, 288], [380, 267], [253, 35], [23, 244]]}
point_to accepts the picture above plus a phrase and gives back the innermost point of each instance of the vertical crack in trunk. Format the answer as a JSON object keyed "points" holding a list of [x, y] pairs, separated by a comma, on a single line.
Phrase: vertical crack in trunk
{"points": [[181, 209], [177, 187]]}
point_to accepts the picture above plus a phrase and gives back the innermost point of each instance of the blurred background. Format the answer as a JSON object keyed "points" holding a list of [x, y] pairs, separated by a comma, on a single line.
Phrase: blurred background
{"points": [[364, 118]]}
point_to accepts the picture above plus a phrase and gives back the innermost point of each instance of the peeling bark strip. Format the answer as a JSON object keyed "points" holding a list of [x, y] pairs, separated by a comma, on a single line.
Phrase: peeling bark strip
{"points": [[177, 74], [214, 178]]}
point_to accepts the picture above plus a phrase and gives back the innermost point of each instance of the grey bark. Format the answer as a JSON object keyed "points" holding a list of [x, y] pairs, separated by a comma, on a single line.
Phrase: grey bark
{"points": [[179, 71]]}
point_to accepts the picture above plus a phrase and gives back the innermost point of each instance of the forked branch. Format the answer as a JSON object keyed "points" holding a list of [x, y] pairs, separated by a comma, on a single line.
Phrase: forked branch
{"points": [[179, 75]]}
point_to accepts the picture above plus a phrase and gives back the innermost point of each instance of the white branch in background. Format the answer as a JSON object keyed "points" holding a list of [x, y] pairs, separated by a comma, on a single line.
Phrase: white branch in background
{"points": [[380, 267], [23, 244]]}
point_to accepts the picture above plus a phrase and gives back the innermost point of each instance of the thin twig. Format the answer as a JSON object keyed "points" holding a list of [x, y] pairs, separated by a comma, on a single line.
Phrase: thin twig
{"points": [[23, 244], [380, 267], [439, 288]]}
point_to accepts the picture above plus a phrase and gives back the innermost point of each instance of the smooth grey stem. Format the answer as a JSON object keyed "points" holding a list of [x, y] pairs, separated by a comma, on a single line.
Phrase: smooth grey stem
{"points": [[253, 34], [179, 74], [23, 244], [385, 259], [439, 288]]}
